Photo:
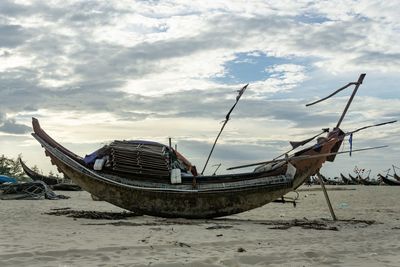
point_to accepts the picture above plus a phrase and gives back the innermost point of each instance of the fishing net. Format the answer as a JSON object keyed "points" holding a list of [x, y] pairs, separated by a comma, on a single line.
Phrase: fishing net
{"points": [[33, 191]]}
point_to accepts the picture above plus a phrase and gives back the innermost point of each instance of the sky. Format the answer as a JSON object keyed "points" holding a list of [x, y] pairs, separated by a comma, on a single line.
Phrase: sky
{"points": [[97, 71]]}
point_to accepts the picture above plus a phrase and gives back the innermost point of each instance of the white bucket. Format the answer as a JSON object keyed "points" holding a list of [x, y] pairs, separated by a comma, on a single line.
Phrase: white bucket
{"points": [[176, 177], [98, 164]]}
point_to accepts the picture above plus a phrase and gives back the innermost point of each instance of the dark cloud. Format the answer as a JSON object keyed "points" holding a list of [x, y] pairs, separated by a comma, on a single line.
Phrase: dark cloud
{"points": [[378, 58], [102, 97], [100, 68], [10, 126], [102, 61], [335, 37], [13, 36], [11, 9]]}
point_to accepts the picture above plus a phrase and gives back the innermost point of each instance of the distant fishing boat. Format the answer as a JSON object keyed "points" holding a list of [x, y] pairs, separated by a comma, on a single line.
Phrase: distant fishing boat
{"points": [[395, 176], [346, 180], [53, 182], [37, 176], [367, 181], [154, 179], [354, 179], [388, 181]]}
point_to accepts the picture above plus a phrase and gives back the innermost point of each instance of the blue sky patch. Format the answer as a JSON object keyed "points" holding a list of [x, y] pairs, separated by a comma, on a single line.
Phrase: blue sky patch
{"points": [[250, 67]]}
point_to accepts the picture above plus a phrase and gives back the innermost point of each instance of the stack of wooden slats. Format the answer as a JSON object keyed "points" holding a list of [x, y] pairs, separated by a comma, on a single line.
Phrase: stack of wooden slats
{"points": [[139, 158]]}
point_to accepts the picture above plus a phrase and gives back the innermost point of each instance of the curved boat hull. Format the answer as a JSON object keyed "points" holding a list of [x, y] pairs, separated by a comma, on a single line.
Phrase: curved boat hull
{"points": [[346, 180], [36, 176], [211, 196], [171, 203], [389, 181]]}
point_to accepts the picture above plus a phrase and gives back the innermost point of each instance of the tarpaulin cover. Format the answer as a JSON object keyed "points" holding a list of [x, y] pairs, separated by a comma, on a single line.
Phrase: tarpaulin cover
{"points": [[6, 179]]}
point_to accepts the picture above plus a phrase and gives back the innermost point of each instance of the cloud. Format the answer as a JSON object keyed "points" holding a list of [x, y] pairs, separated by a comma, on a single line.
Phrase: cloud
{"points": [[10, 126], [12, 36]]}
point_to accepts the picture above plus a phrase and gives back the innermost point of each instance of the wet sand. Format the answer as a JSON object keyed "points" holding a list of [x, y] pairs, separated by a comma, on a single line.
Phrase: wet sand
{"points": [[367, 234]]}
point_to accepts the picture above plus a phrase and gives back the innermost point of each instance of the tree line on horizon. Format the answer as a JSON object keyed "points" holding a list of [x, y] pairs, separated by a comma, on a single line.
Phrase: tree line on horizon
{"points": [[12, 168]]}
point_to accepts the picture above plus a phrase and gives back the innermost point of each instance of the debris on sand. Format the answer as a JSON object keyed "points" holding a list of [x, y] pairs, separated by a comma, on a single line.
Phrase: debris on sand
{"points": [[315, 224], [94, 215]]}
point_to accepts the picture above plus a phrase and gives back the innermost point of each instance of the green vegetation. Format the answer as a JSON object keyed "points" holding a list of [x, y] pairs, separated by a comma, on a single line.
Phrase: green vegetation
{"points": [[12, 168]]}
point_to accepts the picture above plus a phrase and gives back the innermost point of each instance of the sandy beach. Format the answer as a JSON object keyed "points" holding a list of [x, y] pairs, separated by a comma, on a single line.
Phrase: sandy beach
{"points": [[367, 234]]}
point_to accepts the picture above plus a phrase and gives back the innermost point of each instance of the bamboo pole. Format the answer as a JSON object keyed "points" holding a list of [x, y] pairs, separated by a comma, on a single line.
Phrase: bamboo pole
{"points": [[227, 118], [359, 82], [326, 196]]}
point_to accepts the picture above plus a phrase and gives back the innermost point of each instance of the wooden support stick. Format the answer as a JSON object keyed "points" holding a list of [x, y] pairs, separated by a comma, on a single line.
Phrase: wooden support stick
{"points": [[326, 196], [359, 82]]}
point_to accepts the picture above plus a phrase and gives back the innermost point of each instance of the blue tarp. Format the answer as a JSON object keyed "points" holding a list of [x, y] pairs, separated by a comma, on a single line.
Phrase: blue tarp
{"points": [[91, 158], [6, 179]]}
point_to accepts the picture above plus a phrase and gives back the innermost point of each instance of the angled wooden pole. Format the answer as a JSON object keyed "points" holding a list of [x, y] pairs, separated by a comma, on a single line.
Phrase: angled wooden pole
{"points": [[359, 82], [227, 118], [301, 157], [326, 196]]}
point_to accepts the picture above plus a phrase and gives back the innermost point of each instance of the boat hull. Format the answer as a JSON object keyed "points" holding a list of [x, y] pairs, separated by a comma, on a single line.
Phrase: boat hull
{"points": [[173, 203], [205, 197], [389, 181]]}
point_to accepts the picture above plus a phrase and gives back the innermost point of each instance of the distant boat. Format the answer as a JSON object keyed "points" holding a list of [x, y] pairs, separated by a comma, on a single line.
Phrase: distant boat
{"points": [[329, 181], [388, 181], [346, 180], [354, 179], [37, 176], [395, 176], [53, 182], [367, 181]]}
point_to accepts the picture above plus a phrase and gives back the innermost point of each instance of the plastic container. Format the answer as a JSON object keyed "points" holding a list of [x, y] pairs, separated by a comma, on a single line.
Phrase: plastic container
{"points": [[176, 177]]}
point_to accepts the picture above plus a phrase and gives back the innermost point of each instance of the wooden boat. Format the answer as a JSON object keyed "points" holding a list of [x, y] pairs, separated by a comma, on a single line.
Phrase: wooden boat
{"points": [[53, 182], [194, 197], [395, 176], [324, 179], [367, 181], [37, 176], [388, 181], [147, 188], [346, 180], [354, 179], [329, 181]]}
